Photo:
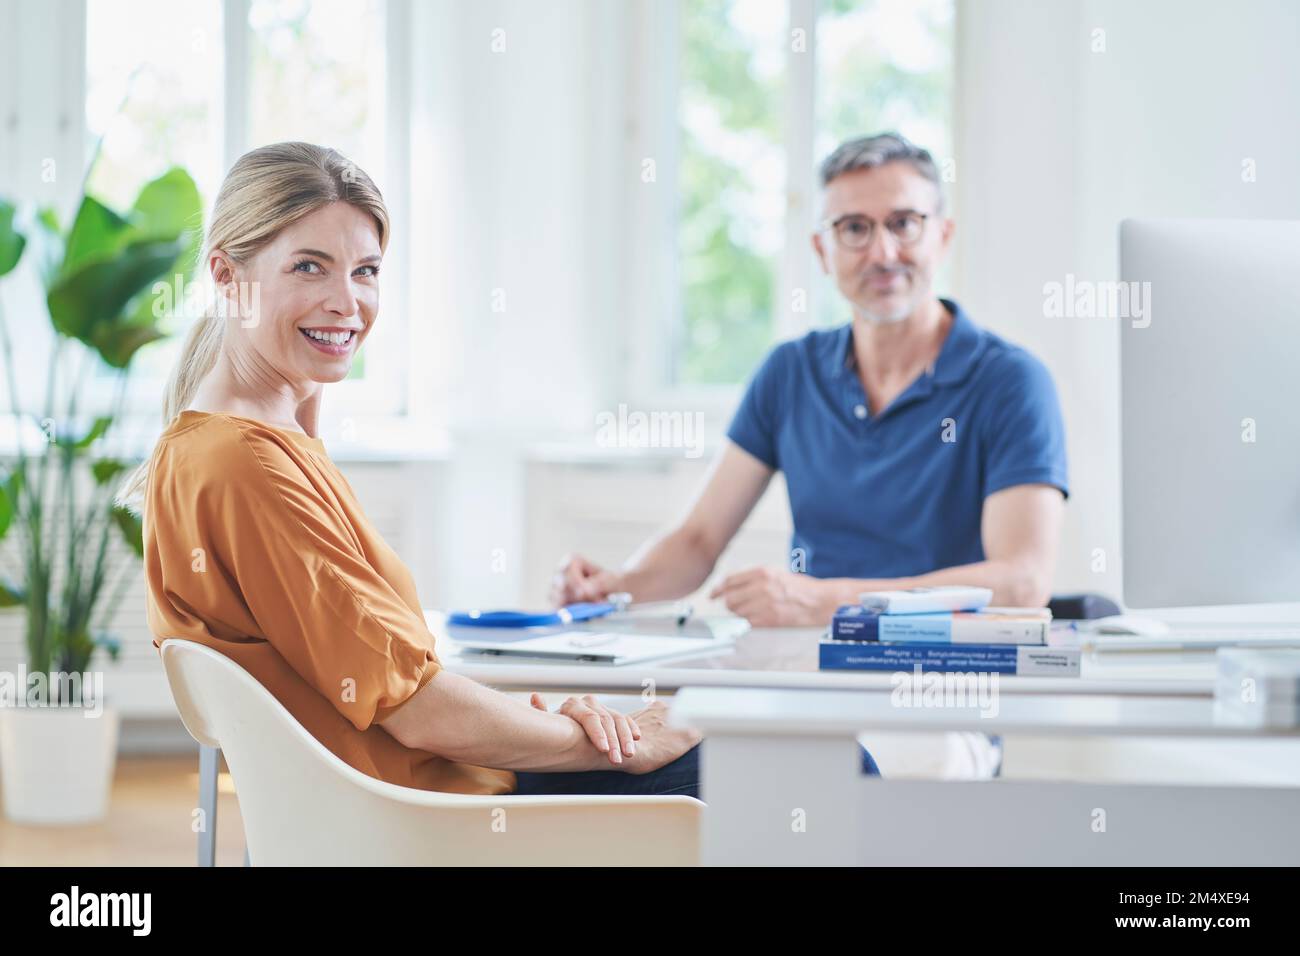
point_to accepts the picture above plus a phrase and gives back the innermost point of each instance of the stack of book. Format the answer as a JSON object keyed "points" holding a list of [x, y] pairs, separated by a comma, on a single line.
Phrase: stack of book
{"points": [[946, 629]]}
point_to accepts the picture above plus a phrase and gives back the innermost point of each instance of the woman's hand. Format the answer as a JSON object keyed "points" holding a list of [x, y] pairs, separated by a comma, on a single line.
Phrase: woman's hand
{"points": [[610, 732]]}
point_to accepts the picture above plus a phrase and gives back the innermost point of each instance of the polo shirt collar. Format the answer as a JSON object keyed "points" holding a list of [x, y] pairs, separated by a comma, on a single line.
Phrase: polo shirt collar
{"points": [[957, 357]]}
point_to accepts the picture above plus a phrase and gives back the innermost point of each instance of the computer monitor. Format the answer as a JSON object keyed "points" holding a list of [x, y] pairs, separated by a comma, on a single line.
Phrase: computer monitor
{"points": [[1210, 412]]}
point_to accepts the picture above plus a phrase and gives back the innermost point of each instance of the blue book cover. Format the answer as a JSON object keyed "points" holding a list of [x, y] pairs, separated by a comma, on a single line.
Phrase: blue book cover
{"points": [[1033, 660]]}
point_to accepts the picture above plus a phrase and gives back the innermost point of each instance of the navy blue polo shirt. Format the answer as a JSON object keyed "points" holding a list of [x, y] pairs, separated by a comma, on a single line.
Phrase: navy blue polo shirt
{"points": [[900, 493]]}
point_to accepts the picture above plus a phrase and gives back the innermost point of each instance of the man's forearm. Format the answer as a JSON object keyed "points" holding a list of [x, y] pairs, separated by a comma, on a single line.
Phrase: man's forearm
{"points": [[1014, 584], [667, 568]]}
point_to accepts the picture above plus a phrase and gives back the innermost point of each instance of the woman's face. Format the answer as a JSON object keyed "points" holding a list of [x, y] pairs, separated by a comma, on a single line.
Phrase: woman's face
{"points": [[306, 300]]}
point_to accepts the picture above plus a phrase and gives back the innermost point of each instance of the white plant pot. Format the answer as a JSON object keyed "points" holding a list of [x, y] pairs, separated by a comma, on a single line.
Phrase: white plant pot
{"points": [[56, 763]]}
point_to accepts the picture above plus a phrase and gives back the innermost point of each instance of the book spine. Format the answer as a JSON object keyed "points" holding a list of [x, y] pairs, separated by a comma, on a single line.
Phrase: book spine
{"points": [[1018, 660], [962, 629]]}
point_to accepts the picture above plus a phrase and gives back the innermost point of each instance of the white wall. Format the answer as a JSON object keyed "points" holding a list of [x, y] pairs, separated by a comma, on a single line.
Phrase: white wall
{"points": [[1057, 143]]}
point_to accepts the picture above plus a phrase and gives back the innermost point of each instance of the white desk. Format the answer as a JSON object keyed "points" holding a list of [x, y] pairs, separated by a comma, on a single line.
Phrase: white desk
{"points": [[818, 809], [787, 658]]}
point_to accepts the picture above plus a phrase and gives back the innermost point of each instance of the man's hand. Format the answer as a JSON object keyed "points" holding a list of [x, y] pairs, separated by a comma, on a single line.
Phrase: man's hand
{"points": [[578, 579], [773, 597]]}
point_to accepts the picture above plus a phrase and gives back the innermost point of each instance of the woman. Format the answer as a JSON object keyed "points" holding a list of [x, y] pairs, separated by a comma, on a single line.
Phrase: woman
{"points": [[256, 546]]}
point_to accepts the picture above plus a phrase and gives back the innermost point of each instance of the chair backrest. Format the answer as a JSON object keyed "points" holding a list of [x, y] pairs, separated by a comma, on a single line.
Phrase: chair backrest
{"points": [[302, 805]]}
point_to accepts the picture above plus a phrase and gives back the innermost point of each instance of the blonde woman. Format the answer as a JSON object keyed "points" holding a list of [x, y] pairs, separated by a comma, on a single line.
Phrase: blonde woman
{"points": [[256, 546]]}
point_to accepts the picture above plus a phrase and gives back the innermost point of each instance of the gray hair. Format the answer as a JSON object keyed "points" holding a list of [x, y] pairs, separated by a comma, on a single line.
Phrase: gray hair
{"points": [[868, 152]]}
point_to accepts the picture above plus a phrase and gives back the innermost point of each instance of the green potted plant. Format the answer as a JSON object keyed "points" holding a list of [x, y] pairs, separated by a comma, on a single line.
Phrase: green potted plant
{"points": [[108, 280]]}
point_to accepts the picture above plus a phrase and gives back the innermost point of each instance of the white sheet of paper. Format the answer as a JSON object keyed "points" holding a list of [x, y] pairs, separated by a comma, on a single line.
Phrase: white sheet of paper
{"points": [[596, 647]]}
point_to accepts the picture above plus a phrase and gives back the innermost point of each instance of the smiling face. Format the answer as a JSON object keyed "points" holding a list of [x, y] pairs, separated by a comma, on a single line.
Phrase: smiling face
{"points": [[886, 280], [307, 299]]}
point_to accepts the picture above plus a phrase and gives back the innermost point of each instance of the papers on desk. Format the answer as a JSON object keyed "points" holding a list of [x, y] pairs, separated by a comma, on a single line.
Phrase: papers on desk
{"points": [[591, 647], [1193, 641]]}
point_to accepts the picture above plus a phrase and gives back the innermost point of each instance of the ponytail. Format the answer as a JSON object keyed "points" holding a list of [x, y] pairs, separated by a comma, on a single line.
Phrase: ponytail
{"points": [[198, 356]]}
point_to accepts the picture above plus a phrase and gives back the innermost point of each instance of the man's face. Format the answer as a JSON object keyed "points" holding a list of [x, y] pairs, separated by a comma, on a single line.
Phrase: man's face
{"points": [[886, 280]]}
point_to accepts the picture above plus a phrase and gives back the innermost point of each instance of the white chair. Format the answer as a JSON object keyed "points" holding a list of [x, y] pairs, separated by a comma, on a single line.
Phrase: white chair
{"points": [[303, 806]]}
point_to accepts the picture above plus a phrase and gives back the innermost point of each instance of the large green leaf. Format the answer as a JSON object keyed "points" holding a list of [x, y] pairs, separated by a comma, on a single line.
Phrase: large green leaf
{"points": [[129, 523], [103, 291], [95, 295], [97, 234], [11, 240], [106, 469], [118, 344], [167, 208]]}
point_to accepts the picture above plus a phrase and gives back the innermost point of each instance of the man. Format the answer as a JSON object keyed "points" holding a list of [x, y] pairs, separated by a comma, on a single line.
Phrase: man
{"points": [[918, 448]]}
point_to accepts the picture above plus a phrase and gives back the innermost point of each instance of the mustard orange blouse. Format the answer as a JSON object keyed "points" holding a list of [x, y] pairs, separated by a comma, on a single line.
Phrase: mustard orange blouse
{"points": [[256, 546]]}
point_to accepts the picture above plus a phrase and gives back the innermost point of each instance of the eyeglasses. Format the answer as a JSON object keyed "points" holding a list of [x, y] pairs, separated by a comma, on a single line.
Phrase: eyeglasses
{"points": [[856, 231]]}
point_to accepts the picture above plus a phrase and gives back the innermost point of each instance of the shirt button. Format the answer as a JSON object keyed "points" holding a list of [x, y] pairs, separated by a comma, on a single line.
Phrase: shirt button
{"points": [[860, 411]]}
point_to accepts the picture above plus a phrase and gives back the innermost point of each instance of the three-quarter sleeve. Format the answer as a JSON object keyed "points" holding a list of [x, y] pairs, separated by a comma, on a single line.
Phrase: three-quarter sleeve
{"points": [[301, 570]]}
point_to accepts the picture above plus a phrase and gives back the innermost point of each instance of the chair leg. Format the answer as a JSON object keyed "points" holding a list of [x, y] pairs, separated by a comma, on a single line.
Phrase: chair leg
{"points": [[208, 763]]}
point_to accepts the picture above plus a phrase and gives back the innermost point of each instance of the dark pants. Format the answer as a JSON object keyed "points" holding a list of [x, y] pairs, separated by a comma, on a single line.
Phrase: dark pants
{"points": [[682, 776]]}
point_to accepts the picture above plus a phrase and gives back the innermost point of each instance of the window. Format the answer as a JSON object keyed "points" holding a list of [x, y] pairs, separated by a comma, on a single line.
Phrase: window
{"points": [[310, 79], [882, 66], [153, 95], [200, 89], [732, 179], [153, 101], [764, 89], [312, 76]]}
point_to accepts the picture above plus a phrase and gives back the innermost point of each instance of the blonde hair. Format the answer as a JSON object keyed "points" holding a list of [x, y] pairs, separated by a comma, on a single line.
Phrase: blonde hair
{"points": [[268, 189]]}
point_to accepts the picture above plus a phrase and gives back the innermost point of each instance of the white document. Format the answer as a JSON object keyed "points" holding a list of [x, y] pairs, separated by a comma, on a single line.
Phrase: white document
{"points": [[592, 647]]}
